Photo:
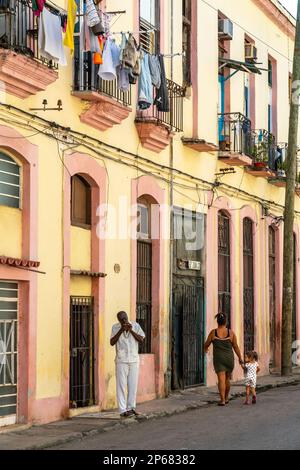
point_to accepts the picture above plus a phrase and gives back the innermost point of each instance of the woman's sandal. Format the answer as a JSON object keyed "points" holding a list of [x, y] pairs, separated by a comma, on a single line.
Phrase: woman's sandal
{"points": [[221, 404]]}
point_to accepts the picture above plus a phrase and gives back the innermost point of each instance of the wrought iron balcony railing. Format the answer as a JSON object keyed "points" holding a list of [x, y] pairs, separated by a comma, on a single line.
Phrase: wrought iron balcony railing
{"points": [[19, 29], [264, 149], [172, 119], [86, 78], [235, 134]]}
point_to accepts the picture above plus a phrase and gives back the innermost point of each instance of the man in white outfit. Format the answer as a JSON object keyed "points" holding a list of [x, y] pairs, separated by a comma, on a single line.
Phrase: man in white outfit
{"points": [[126, 336]]}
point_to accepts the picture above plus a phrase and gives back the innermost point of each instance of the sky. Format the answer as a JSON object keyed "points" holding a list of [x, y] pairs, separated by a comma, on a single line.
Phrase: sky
{"points": [[291, 5]]}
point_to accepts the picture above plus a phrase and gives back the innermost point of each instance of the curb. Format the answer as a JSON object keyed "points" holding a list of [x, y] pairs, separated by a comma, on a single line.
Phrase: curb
{"points": [[155, 415]]}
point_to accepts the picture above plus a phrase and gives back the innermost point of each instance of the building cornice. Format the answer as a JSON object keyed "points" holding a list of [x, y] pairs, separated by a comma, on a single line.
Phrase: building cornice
{"points": [[279, 15]]}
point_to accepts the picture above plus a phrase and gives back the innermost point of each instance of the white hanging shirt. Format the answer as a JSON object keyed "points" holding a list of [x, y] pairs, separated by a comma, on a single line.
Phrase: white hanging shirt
{"points": [[107, 70], [127, 347], [50, 38]]}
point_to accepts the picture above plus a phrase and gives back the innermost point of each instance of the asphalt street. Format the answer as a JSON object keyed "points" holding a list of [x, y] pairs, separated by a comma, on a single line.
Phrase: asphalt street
{"points": [[272, 424]]}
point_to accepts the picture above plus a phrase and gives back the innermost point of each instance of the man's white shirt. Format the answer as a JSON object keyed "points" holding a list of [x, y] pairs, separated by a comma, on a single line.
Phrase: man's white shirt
{"points": [[127, 347]]}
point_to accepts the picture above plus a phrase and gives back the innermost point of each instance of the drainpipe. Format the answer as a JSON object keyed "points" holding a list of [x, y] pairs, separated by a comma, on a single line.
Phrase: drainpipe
{"points": [[171, 245]]}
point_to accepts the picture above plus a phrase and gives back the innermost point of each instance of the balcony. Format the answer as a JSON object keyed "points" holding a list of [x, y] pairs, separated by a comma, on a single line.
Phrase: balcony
{"points": [[263, 154], [235, 139], [280, 166], [156, 128], [22, 71], [108, 106]]}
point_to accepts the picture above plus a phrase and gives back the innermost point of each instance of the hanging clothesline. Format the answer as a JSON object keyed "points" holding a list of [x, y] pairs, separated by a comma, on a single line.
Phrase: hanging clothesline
{"points": [[143, 31], [64, 12]]}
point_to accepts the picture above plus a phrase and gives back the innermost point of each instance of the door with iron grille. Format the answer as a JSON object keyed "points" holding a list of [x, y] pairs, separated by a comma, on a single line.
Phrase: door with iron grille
{"points": [[272, 294], [81, 352], [248, 285], [294, 311], [8, 350], [144, 292], [188, 329], [224, 294], [188, 299]]}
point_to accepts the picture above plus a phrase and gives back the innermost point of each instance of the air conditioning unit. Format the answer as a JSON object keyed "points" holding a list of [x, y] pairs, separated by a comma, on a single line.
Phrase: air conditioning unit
{"points": [[225, 29], [250, 53]]}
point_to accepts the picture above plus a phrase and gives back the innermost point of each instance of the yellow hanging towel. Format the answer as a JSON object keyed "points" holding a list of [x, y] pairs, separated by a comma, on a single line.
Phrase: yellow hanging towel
{"points": [[69, 37]]}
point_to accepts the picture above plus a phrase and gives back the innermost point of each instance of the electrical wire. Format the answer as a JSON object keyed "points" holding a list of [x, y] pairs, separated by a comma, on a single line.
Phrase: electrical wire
{"points": [[209, 185]]}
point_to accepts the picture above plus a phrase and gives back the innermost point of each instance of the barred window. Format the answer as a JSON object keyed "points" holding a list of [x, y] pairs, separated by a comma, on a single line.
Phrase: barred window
{"points": [[9, 182]]}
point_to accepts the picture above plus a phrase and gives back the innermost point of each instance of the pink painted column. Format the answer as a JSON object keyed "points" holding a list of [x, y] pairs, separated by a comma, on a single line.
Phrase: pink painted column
{"points": [[279, 278], [221, 204], [274, 97], [194, 69]]}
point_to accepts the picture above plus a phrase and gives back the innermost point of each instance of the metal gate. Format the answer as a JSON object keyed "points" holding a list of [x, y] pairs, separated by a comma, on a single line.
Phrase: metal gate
{"points": [[144, 292], [224, 294], [272, 294], [81, 352], [248, 285], [8, 348], [188, 332], [294, 311]]}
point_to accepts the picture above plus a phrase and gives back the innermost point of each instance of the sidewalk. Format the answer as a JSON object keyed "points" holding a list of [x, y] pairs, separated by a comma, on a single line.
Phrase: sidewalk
{"points": [[48, 435]]}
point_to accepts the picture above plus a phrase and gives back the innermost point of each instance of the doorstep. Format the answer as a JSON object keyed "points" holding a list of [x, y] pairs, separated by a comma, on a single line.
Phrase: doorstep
{"points": [[14, 428]]}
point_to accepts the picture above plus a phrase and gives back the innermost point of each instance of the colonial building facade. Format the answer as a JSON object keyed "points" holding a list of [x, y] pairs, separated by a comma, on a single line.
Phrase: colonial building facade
{"points": [[171, 215]]}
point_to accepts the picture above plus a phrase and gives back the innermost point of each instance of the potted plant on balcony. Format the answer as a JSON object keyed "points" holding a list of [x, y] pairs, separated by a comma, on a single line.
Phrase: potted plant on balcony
{"points": [[224, 143], [281, 170], [260, 155]]}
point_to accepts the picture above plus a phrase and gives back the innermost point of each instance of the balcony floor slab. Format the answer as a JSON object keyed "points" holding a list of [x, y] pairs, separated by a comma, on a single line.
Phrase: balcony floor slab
{"points": [[199, 145], [235, 158], [103, 112], [279, 182], [24, 76], [153, 136], [260, 172]]}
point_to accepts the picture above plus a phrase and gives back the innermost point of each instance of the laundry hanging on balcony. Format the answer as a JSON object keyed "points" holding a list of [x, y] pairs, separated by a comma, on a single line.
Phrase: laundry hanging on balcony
{"points": [[72, 13], [110, 61], [37, 6], [50, 38], [145, 99], [162, 100], [155, 71]]}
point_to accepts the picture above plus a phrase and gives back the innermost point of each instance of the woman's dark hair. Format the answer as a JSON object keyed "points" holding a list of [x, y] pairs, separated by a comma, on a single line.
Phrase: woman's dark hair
{"points": [[221, 319]]}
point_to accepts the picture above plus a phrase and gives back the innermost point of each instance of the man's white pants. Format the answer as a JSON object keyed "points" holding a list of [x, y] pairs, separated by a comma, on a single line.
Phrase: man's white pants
{"points": [[127, 375]]}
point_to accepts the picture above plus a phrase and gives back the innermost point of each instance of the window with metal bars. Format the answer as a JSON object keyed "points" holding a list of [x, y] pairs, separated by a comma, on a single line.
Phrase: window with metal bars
{"points": [[9, 181], [144, 275], [224, 264], [149, 26]]}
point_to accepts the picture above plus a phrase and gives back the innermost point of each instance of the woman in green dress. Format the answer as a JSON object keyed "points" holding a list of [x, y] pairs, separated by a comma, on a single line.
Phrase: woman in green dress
{"points": [[224, 343]]}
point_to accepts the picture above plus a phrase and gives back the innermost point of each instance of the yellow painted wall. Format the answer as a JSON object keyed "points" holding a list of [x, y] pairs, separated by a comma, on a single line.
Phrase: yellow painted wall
{"points": [[10, 232], [80, 249], [203, 165], [80, 286]]}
